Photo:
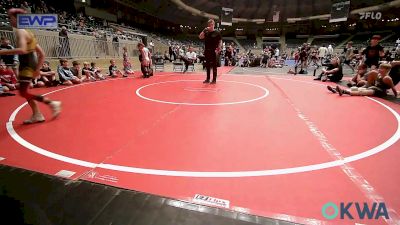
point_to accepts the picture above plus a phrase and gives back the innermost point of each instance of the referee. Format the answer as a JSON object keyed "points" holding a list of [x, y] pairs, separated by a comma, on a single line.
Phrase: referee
{"points": [[213, 43]]}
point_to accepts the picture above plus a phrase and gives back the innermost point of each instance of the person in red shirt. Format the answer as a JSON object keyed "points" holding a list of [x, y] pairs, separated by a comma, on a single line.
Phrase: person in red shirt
{"points": [[7, 78]]}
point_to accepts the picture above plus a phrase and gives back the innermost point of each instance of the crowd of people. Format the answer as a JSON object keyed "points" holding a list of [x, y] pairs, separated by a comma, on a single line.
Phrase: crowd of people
{"points": [[66, 74], [376, 69]]}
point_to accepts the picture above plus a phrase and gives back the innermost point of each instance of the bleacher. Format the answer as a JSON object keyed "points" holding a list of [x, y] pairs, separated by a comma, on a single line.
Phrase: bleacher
{"points": [[295, 42], [334, 41], [361, 40], [246, 43], [391, 41]]}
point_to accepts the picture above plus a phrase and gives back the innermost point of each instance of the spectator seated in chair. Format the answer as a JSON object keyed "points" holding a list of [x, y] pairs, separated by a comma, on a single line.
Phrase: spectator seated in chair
{"points": [[159, 63], [167, 56], [189, 58]]}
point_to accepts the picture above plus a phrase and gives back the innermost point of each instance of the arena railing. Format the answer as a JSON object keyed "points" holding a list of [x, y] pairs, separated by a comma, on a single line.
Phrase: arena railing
{"points": [[77, 46]]}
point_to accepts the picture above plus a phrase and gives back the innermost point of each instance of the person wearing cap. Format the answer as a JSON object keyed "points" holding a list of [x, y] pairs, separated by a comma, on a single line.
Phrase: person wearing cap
{"points": [[31, 58], [213, 47], [373, 52]]}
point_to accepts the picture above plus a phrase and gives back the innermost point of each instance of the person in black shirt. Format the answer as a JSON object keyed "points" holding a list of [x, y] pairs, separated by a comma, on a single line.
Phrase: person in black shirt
{"points": [[333, 72], [47, 76], [115, 42], [213, 43], [373, 52], [228, 56], [11, 61], [303, 60], [64, 42], [170, 52], [395, 72], [113, 69]]}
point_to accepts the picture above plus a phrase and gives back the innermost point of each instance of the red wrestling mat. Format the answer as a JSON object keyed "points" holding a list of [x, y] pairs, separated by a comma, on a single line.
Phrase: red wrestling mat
{"points": [[277, 146]]}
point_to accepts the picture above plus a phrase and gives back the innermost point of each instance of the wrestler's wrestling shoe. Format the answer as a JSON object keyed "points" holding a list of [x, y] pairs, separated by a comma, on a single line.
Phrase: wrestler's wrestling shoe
{"points": [[55, 107], [331, 89]]}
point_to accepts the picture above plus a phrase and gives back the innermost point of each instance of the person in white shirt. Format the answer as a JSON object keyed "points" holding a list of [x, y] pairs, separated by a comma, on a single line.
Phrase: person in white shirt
{"points": [[151, 45], [322, 51], [276, 53], [181, 52], [145, 60], [330, 51], [189, 58]]}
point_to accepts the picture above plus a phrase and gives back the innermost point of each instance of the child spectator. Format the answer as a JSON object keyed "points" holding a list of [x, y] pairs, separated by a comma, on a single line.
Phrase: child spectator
{"points": [[96, 71], [383, 82], [65, 74], [76, 68], [127, 65], [113, 70], [37, 83], [47, 76], [360, 79], [87, 72], [4, 92], [8, 81]]}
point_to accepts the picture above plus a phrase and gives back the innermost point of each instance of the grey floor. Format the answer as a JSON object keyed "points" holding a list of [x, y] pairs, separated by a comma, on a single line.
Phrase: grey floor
{"points": [[28, 197]]}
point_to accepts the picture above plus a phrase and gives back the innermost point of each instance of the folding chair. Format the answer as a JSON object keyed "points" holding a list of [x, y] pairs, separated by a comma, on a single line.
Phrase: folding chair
{"points": [[159, 65], [178, 66]]}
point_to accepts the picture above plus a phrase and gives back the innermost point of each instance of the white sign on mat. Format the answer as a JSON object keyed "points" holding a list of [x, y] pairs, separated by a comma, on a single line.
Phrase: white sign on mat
{"points": [[207, 200], [65, 173]]}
